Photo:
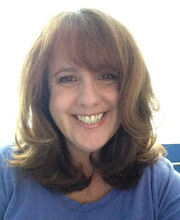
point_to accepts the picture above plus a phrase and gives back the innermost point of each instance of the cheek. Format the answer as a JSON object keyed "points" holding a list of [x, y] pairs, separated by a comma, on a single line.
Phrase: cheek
{"points": [[60, 102], [56, 106], [57, 109], [112, 96]]}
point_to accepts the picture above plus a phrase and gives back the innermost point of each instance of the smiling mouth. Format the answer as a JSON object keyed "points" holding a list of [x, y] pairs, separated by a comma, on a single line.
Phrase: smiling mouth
{"points": [[93, 119]]}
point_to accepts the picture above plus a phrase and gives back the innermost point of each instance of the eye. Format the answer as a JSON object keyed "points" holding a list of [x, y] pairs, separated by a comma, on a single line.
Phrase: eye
{"points": [[108, 76], [67, 79]]}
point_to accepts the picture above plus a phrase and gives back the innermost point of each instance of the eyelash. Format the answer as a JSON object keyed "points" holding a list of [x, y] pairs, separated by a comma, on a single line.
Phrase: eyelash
{"points": [[108, 76], [67, 79], [105, 77]]}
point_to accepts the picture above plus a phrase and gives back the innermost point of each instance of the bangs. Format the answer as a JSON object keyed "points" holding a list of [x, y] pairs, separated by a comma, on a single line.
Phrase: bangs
{"points": [[87, 41]]}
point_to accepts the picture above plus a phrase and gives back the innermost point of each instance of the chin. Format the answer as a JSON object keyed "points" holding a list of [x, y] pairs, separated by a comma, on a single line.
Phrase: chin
{"points": [[92, 148]]}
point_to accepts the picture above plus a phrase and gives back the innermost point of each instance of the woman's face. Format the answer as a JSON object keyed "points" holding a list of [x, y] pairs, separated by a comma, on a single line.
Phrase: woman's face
{"points": [[83, 104]]}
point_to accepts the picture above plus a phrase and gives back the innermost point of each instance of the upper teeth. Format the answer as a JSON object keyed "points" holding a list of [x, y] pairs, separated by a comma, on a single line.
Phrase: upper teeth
{"points": [[90, 119]]}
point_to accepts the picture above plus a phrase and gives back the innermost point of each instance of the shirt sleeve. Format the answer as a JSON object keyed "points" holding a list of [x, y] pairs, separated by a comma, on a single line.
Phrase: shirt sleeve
{"points": [[5, 181], [168, 184]]}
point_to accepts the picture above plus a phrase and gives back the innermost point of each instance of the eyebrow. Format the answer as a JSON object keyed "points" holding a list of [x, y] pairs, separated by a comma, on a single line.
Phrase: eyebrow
{"points": [[65, 69]]}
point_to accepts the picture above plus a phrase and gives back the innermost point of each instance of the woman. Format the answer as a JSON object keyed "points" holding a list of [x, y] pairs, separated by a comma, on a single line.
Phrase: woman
{"points": [[85, 146]]}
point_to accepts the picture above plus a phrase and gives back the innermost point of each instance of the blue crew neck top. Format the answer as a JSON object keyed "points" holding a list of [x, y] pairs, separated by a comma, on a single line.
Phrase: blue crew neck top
{"points": [[155, 197]]}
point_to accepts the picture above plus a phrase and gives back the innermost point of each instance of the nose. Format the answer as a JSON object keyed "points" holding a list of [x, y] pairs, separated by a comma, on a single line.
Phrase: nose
{"points": [[89, 94]]}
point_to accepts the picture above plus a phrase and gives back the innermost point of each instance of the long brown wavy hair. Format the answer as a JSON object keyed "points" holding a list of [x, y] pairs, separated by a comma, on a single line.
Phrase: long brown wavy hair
{"points": [[90, 38]]}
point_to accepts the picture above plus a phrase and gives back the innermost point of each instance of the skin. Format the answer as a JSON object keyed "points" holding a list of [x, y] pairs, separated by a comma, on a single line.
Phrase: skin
{"points": [[75, 90]]}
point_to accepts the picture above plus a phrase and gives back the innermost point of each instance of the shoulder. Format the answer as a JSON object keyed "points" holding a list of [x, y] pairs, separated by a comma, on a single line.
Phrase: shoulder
{"points": [[7, 177], [5, 155], [161, 178], [163, 171], [162, 167], [165, 183], [5, 152], [162, 174], [7, 172]]}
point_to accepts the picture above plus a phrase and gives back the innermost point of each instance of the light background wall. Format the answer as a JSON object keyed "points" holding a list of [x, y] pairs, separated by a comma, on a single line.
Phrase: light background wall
{"points": [[155, 24]]}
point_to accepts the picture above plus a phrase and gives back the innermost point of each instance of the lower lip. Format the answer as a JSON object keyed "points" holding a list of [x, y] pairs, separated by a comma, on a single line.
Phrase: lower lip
{"points": [[89, 126]]}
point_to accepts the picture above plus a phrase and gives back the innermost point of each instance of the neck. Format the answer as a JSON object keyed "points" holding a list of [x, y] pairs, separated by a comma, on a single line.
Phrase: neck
{"points": [[81, 158]]}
